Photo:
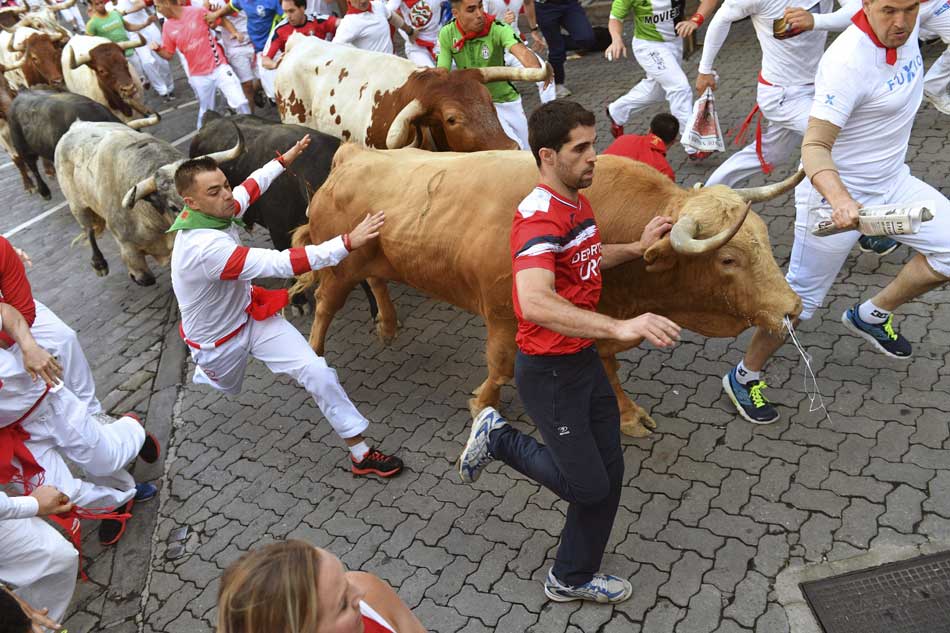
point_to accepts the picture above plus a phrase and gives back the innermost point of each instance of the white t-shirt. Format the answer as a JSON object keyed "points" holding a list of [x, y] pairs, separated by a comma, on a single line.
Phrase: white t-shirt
{"points": [[787, 60], [874, 103], [498, 8], [423, 16], [368, 31]]}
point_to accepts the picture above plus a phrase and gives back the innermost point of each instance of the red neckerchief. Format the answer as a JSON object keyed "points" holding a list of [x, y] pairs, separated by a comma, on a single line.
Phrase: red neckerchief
{"points": [[861, 21], [350, 9], [457, 46]]}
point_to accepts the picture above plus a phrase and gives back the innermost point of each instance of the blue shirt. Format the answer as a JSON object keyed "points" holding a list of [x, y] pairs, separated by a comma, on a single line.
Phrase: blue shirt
{"points": [[262, 15]]}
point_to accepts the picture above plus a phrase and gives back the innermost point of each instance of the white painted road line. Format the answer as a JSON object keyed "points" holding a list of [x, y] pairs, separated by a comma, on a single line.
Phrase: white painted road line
{"points": [[49, 212], [181, 106]]}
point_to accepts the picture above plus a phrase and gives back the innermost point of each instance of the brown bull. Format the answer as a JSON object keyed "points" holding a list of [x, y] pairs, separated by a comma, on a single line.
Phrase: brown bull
{"points": [[714, 274], [99, 69]]}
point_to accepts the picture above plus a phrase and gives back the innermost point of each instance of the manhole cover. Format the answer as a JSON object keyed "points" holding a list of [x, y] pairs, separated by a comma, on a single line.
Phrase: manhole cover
{"points": [[910, 596]]}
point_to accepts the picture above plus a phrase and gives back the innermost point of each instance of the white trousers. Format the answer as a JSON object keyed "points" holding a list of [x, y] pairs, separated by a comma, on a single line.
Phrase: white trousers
{"points": [[419, 55], [223, 79], [153, 68], [61, 427], [816, 261], [935, 18], [665, 80], [39, 563], [546, 94], [785, 109], [73, 15], [242, 63], [284, 350], [513, 121], [61, 341]]}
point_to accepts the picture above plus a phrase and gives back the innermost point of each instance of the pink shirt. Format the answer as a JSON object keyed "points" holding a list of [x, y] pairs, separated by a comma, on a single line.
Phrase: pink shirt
{"points": [[192, 36]]}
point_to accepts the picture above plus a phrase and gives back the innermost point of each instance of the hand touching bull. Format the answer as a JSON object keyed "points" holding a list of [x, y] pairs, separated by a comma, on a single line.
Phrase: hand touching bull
{"points": [[365, 231]]}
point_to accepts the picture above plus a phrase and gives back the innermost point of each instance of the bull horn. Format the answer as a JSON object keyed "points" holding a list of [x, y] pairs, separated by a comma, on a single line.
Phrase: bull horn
{"points": [[683, 236], [145, 122], [57, 36], [767, 192], [14, 10], [228, 154], [401, 127], [506, 73], [138, 191], [76, 62], [14, 66], [63, 5], [126, 45], [9, 29]]}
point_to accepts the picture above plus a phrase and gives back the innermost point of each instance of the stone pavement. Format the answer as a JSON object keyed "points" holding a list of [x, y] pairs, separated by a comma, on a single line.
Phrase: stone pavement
{"points": [[712, 509]]}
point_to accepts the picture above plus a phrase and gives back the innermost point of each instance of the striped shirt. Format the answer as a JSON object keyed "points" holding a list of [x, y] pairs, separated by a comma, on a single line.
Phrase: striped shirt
{"points": [[555, 234]]}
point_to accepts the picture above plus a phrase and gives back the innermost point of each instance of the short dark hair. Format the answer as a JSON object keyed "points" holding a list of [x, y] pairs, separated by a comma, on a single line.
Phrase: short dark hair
{"points": [[550, 125], [299, 3], [12, 617], [666, 126], [186, 172]]}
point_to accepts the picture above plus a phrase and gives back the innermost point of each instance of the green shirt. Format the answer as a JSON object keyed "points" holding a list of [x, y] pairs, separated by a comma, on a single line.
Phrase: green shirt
{"points": [[111, 27], [480, 52], [654, 20]]}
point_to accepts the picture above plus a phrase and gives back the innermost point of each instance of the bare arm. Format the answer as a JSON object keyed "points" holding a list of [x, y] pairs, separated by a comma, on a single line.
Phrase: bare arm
{"points": [[616, 254], [537, 39], [525, 56], [541, 304], [687, 27], [38, 362], [137, 27], [384, 600], [617, 48], [161, 52], [396, 20]]}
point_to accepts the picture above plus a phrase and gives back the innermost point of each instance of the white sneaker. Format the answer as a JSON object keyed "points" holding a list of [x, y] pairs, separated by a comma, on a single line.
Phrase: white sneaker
{"points": [[940, 102], [562, 91], [475, 456], [602, 588]]}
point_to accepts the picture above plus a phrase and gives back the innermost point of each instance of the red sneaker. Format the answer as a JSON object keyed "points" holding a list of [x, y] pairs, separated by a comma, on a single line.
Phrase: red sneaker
{"points": [[699, 156], [615, 130], [376, 463]]}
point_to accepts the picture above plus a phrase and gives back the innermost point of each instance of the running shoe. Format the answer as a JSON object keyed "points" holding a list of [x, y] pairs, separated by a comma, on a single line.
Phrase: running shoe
{"points": [[880, 244], [749, 400], [145, 492], [940, 102], [699, 156], [561, 91], [616, 130], [880, 335], [376, 463], [602, 588], [475, 456]]}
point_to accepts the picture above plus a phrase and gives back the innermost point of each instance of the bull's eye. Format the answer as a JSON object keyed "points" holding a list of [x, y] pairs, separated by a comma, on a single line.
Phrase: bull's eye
{"points": [[728, 261], [450, 120]]}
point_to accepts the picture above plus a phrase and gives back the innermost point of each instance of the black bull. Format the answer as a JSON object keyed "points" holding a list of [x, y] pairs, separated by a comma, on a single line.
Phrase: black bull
{"points": [[283, 207], [39, 118]]}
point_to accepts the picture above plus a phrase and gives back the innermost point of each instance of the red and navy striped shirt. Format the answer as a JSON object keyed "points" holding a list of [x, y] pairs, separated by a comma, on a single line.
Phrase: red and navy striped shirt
{"points": [[558, 235]]}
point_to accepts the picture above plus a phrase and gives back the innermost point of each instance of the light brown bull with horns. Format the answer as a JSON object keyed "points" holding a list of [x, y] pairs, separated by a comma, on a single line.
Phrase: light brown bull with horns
{"points": [[115, 177], [448, 222], [386, 101], [31, 56], [98, 68]]}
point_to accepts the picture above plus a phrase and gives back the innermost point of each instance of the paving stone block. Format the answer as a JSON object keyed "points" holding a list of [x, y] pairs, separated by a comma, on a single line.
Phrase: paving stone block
{"points": [[685, 578]]}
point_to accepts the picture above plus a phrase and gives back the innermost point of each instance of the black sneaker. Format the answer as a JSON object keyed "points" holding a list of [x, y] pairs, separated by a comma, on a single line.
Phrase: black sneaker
{"points": [[376, 463], [881, 335], [880, 244], [151, 450], [111, 530], [749, 400]]}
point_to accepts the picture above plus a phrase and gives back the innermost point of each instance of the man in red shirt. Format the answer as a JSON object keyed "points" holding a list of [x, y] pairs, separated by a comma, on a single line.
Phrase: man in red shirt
{"points": [[651, 148], [296, 20], [557, 257], [185, 30], [48, 329]]}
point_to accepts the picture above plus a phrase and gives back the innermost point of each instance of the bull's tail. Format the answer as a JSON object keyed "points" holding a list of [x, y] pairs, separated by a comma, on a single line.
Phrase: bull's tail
{"points": [[305, 282]]}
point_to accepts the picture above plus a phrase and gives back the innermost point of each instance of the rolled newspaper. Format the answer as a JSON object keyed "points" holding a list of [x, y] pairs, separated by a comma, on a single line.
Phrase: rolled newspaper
{"points": [[885, 219]]}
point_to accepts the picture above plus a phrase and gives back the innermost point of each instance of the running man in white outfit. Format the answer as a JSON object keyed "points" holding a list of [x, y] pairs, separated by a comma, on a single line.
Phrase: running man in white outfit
{"points": [[508, 11], [154, 68], [786, 84], [423, 15], [366, 26], [934, 20], [185, 30], [238, 48], [659, 29], [853, 154], [226, 320]]}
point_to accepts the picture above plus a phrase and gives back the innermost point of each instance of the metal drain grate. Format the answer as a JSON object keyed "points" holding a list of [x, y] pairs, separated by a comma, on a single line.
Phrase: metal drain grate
{"points": [[910, 596]]}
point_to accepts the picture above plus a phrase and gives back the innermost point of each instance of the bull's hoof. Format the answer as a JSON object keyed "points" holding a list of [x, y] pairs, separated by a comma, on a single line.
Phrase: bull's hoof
{"points": [[385, 332], [102, 269], [145, 280], [45, 194]]}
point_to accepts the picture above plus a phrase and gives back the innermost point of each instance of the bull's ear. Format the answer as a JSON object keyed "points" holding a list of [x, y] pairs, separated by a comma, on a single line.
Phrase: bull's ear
{"points": [[660, 257]]}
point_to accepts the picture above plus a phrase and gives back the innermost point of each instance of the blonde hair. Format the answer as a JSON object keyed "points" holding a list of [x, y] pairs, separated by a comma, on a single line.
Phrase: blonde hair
{"points": [[270, 589]]}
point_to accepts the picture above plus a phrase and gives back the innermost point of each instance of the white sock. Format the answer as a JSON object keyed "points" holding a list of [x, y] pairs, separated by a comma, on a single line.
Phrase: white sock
{"points": [[746, 375], [359, 451], [870, 313]]}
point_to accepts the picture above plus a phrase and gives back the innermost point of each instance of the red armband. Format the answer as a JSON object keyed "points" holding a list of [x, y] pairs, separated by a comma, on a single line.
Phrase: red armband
{"points": [[346, 242], [280, 159], [697, 19]]}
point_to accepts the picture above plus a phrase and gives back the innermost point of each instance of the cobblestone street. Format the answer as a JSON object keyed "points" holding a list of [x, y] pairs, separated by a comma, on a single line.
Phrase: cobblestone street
{"points": [[713, 509]]}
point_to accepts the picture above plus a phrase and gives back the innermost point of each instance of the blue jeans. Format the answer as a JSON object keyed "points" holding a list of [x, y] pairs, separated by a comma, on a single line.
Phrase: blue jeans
{"points": [[574, 407], [570, 15]]}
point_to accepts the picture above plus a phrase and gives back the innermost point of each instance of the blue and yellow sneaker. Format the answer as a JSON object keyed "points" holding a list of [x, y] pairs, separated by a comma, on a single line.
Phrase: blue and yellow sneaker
{"points": [[880, 244], [880, 335], [749, 400]]}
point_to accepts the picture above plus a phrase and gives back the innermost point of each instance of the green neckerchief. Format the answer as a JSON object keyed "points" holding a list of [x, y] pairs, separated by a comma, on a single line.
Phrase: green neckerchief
{"points": [[191, 219]]}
